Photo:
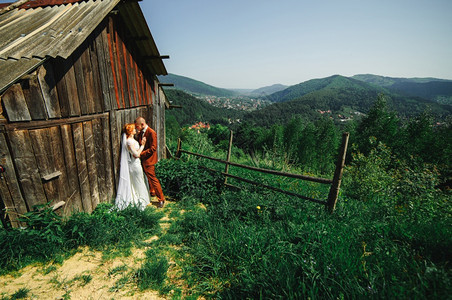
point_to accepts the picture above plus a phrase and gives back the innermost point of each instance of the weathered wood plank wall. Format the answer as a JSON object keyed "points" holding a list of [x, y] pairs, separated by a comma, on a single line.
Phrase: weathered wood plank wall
{"points": [[61, 140]]}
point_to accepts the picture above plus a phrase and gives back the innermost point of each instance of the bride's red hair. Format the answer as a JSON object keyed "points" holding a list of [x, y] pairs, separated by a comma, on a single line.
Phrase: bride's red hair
{"points": [[128, 128]]}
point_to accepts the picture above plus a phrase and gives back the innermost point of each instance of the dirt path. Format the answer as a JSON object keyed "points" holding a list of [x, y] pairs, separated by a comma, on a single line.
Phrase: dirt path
{"points": [[85, 275]]}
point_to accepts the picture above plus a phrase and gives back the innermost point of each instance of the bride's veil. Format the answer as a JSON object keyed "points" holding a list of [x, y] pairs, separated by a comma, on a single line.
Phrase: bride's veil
{"points": [[124, 192]]}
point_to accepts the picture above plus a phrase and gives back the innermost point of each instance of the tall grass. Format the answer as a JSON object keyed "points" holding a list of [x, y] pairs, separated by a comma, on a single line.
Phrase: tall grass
{"points": [[48, 236], [256, 244]]}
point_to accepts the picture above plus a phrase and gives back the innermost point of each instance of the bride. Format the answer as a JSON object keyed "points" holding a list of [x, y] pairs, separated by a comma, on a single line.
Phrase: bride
{"points": [[133, 189]]}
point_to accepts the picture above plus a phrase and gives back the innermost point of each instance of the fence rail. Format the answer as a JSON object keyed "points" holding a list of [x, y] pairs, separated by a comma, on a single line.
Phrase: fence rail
{"points": [[335, 182]]}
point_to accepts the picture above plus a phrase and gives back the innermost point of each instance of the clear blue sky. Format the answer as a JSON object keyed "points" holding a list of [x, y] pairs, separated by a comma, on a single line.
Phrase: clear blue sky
{"points": [[255, 43]]}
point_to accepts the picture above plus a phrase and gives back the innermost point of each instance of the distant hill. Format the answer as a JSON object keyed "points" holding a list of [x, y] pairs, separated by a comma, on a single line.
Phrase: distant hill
{"points": [[194, 86], [304, 88], [268, 90], [337, 97], [195, 110], [386, 81], [435, 89]]}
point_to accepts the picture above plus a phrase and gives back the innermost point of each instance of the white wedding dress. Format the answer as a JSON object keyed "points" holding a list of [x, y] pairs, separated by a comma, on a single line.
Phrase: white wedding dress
{"points": [[133, 188]]}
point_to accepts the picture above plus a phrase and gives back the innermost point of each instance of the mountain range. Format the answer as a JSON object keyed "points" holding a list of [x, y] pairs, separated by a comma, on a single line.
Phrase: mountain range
{"points": [[339, 97], [192, 86]]}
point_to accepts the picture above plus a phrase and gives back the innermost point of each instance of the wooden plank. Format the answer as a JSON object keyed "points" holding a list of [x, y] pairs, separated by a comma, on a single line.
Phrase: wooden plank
{"points": [[151, 93], [66, 87], [57, 155], [33, 97], [142, 86], [148, 92], [47, 83], [27, 168], [80, 81], [103, 62], [49, 123], [73, 200], [127, 62], [97, 86], [40, 142], [154, 88], [122, 71], [9, 186], [134, 82], [100, 158], [112, 53], [137, 113], [91, 95], [51, 176], [127, 117], [110, 188], [115, 144], [16, 107], [90, 153], [72, 89], [82, 171], [48, 149]]}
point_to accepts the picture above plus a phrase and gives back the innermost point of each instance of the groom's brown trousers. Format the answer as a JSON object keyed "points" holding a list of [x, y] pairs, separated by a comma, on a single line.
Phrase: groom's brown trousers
{"points": [[154, 183]]}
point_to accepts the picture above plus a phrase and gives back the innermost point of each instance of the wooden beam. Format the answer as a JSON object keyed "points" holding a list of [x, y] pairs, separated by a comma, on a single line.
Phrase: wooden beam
{"points": [[58, 205], [336, 184], [156, 57], [50, 123], [51, 176], [166, 84], [228, 157], [138, 38], [303, 177]]}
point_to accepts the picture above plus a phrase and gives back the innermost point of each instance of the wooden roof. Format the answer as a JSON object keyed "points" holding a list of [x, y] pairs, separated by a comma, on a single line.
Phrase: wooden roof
{"points": [[43, 29]]}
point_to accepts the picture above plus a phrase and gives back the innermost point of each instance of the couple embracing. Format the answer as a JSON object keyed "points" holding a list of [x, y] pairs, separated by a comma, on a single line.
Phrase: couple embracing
{"points": [[137, 178]]}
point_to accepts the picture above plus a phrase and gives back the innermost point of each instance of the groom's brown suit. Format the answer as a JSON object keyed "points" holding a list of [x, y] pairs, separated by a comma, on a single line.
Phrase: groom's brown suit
{"points": [[149, 158]]}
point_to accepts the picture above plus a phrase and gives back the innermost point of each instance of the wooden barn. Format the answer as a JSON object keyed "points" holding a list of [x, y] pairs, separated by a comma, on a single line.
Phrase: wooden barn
{"points": [[72, 73]]}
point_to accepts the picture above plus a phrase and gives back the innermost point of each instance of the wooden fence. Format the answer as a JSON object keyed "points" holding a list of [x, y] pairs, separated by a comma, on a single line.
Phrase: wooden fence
{"points": [[334, 183]]}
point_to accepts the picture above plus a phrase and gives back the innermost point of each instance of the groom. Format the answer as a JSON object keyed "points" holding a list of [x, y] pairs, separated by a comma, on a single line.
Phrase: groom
{"points": [[149, 157]]}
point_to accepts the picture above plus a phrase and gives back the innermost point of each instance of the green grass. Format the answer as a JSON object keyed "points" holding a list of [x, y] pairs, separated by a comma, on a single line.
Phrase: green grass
{"points": [[260, 244], [49, 237], [389, 236], [21, 293]]}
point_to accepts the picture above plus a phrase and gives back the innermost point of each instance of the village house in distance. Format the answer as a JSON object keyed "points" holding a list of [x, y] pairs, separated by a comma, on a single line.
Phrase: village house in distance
{"points": [[72, 72]]}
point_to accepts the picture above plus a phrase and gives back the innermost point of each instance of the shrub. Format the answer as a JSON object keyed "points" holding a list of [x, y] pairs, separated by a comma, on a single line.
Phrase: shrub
{"points": [[181, 179], [41, 240], [369, 176]]}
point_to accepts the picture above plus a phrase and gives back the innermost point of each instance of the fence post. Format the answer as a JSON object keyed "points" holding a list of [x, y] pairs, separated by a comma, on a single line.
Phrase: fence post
{"points": [[179, 146], [335, 186], [228, 158]]}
